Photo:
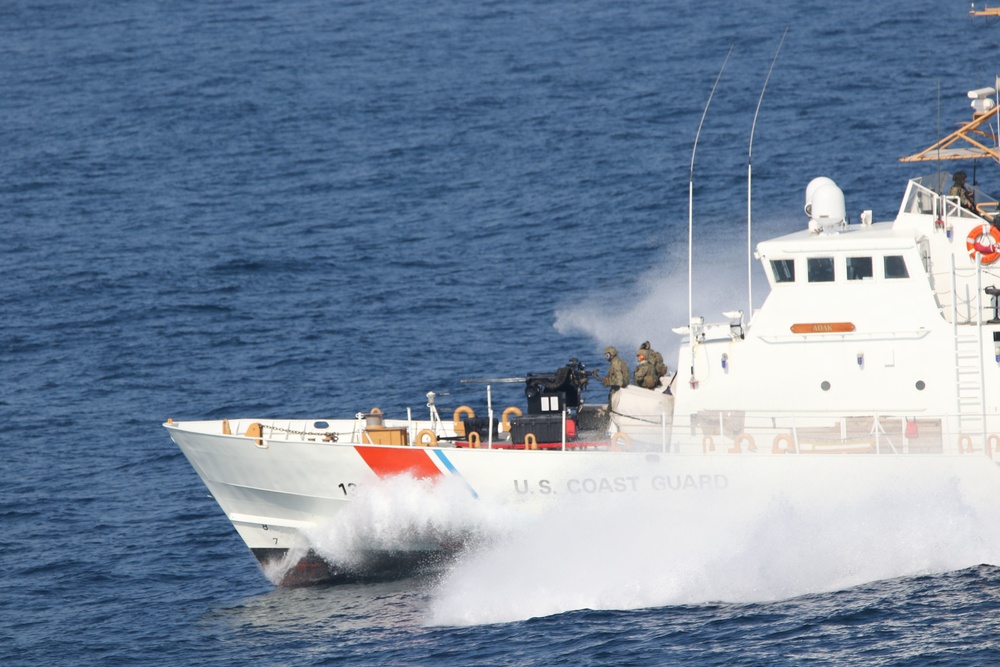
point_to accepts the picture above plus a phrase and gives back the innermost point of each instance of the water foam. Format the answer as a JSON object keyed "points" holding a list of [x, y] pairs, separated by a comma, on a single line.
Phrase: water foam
{"points": [[628, 552], [415, 512]]}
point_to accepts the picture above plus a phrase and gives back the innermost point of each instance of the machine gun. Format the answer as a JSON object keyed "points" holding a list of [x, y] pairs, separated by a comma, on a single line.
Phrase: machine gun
{"points": [[548, 394], [551, 392]]}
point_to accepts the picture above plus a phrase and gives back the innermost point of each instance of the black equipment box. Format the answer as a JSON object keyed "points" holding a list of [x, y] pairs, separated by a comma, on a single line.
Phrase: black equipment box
{"points": [[481, 425], [546, 428], [593, 418]]}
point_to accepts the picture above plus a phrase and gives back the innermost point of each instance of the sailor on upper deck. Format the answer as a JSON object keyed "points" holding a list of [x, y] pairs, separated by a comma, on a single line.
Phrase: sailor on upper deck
{"points": [[966, 197]]}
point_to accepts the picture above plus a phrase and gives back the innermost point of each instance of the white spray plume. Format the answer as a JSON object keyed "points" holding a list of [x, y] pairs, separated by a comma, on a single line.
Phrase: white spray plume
{"points": [[648, 304], [404, 510], [626, 552]]}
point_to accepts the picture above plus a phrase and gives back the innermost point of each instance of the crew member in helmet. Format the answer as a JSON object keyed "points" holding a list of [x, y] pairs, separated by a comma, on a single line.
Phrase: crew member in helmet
{"points": [[644, 374], [966, 197], [656, 359], [617, 375]]}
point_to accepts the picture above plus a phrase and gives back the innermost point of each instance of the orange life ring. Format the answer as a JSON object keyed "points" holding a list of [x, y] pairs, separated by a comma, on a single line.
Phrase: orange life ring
{"points": [[512, 410], [989, 253], [962, 440], [420, 438], [474, 440], [530, 441], [738, 444], [707, 444], [621, 442], [776, 444]]}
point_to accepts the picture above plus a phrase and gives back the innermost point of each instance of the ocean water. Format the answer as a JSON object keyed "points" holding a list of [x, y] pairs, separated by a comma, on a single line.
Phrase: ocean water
{"points": [[307, 209]]}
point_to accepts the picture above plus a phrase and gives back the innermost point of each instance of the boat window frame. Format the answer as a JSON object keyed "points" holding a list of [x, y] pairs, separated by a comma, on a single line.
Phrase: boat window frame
{"points": [[777, 277], [851, 272], [886, 274], [821, 277]]}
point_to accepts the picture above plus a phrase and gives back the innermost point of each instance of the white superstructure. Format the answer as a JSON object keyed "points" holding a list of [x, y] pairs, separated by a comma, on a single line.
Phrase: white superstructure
{"points": [[889, 320]]}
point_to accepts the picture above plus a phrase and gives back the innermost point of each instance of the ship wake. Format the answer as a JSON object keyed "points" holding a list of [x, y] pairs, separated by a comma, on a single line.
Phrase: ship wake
{"points": [[627, 552]]}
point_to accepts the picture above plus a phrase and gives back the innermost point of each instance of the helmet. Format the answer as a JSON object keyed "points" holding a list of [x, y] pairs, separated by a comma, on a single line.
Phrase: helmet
{"points": [[959, 176], [644, 346], [610, 352]]}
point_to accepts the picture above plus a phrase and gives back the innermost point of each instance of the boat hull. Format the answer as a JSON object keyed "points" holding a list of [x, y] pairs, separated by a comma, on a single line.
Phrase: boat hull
{"points": [[313, 511]]}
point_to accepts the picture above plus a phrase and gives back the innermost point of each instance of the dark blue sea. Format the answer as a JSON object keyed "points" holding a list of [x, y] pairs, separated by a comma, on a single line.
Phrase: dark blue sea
{"points": [[308, 209]]}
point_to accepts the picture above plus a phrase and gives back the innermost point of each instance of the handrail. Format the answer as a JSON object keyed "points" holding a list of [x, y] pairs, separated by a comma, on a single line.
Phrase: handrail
{"points": [[887, 434]]}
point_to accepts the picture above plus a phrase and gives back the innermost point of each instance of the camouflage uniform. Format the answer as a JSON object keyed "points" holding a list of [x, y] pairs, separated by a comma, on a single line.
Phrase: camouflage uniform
{"points": [[645, 375], [964, 194], [656, 359], [617, 375]]}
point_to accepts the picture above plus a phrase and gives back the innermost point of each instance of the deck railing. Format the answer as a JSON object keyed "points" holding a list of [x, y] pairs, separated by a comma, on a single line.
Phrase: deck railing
{"points": [[717, 432], [708, 433]]}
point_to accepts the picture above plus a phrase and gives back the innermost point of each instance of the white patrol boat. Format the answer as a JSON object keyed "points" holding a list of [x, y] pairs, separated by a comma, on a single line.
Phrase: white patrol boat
{"points": [[876, 355]]}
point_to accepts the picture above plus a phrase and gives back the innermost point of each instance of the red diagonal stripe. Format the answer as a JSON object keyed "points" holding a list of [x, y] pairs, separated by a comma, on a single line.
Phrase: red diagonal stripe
{"points": [[388, 461]]}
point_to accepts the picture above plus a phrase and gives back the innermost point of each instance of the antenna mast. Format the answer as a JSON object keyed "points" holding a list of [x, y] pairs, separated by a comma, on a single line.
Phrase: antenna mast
{"points": [[691, 193], [753, 128]]}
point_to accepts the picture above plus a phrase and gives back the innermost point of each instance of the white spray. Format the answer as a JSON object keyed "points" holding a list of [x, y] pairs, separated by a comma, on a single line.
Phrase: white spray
{"points": [[628, 552]]}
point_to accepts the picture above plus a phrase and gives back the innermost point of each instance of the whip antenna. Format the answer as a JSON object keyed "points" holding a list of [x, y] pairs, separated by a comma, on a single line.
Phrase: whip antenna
{"points": [[753, 128], [691, 191]]}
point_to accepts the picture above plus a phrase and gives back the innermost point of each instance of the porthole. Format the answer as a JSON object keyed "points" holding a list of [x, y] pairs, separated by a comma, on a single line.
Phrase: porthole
{"points": [[825, 386], [920, 385]]}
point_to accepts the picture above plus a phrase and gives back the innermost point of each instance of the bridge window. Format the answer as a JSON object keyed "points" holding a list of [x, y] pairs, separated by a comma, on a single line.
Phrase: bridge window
{"points": [[783, 270], [820, 269], [895, 267], [859, 268]]}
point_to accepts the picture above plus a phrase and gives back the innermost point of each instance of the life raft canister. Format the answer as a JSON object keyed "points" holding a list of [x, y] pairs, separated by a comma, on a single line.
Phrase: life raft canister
{"points": [[990, 251]]}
